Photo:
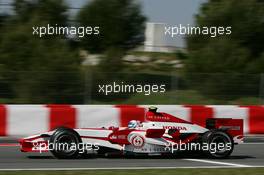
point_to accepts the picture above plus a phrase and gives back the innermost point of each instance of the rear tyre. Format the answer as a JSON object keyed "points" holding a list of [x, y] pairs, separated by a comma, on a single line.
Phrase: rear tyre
{"points": [[65, 143], [220, 144]]}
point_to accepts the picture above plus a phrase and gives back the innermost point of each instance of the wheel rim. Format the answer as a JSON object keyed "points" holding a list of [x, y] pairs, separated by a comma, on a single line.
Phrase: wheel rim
{"points": [[220, 139], [66, 143]]}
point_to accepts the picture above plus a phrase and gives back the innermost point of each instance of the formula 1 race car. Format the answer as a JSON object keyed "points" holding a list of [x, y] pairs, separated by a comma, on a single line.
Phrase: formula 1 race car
{"points": [[159, 134]]}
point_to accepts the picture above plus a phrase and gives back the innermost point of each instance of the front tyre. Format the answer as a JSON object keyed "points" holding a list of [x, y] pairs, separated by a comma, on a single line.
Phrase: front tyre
{"points": [[219, 144], [65, 143]]}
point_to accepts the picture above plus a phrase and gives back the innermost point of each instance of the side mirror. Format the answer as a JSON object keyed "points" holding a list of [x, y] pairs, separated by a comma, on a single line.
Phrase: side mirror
{"points": [[113, 128], [153, 109]]}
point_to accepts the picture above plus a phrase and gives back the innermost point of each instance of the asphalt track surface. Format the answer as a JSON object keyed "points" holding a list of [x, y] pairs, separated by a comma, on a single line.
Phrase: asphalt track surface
{"points": [[244, 155]]}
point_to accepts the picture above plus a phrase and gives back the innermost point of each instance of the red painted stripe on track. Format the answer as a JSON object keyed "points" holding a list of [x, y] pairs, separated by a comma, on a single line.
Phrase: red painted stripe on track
{"points": [[199, 114], [3, 120], [130, 112], [62, 115], [256, 119]]}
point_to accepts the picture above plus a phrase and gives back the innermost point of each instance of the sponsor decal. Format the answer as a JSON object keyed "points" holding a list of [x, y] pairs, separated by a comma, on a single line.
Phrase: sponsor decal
{"points": [[160, 117], [236, 128], [137, 141], [175, 127], [118, 137]]}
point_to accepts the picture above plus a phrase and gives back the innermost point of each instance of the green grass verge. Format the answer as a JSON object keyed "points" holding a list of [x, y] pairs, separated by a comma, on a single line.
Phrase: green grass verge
{"points": [[183, 97], [235, 171], [171, 97]]}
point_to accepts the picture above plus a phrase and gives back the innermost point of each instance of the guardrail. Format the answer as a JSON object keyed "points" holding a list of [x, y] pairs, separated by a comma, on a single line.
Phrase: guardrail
{"points": [[22, 120]]}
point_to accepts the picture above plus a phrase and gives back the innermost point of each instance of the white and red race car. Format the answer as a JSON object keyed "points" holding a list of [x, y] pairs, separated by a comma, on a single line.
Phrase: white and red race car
{"points": [[159, 134]]}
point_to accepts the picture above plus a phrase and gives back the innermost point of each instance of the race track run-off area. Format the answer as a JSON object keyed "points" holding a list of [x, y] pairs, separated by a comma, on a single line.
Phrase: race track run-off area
{"points": [[244, 155]]}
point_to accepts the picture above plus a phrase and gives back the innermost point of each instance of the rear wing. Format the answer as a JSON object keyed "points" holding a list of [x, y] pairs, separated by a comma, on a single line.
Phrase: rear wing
{"points": [[234, 127]]}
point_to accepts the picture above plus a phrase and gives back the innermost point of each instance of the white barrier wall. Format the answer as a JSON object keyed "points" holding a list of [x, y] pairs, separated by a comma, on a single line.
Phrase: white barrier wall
{"points": [[23, 120]]}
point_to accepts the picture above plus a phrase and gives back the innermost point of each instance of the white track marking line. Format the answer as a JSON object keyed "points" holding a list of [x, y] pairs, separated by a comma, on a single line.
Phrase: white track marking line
{"points": [[125, 168], [217, 162]]}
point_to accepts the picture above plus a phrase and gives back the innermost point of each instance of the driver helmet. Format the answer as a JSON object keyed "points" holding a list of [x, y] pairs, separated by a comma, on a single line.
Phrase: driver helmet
{"points": [[132, 124]]}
